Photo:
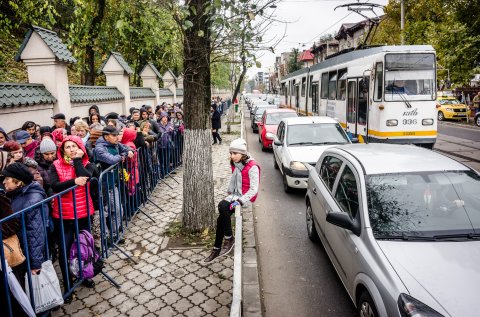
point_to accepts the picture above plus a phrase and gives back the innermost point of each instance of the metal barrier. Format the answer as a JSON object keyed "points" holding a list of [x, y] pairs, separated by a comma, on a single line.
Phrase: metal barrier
{"points": [[236, 307], [123, 191]]}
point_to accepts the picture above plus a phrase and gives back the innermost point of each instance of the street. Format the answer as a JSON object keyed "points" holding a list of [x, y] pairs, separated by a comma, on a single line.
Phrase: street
{"points": [[296, 276]]}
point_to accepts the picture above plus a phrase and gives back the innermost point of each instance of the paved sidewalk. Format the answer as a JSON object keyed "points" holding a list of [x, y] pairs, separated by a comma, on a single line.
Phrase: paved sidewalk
{"points": [[165, 282]]}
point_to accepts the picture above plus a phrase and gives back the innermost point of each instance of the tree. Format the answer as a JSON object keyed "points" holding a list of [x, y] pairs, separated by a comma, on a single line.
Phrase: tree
{"points": [[293, 63]]}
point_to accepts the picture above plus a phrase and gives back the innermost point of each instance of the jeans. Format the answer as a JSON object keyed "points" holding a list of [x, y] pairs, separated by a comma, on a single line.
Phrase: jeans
{"points": [[69, 236], [224, 222]]}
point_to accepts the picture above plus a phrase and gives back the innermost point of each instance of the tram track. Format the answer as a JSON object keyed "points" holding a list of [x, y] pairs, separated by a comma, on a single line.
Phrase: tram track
{"points": [[459, 155]]}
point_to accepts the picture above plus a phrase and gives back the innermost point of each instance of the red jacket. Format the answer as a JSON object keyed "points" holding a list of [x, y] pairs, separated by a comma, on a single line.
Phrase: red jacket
{"points": [[66, 172], [131, 165]]}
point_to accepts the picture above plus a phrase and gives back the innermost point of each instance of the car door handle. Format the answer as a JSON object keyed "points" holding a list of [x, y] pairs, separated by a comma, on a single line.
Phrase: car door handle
{"points": [[314, 190]]}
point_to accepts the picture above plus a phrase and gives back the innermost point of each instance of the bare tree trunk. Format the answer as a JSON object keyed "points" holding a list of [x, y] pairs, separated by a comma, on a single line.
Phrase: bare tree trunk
{"points": [[198, 203]]}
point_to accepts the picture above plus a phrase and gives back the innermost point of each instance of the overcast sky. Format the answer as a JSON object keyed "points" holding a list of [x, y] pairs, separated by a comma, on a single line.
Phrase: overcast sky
{"points": [[309, 19]]}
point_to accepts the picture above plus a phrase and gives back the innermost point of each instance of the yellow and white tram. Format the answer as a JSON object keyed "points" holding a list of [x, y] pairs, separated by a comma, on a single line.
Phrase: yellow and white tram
{"points": [[380, 94]]}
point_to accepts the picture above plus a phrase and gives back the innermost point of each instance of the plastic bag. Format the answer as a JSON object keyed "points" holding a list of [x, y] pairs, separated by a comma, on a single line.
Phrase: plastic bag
{"points": [[46, 288]]}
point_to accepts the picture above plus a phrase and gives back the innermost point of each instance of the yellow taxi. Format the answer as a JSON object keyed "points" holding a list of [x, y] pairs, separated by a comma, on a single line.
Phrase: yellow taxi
{"points": [[450, 108]]}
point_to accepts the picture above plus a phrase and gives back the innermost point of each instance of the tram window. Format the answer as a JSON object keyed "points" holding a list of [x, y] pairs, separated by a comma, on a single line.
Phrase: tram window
{"points": [[310, 87], [342, 84], [332, 85], [362, 103], [378, 82], [351, 105], [324, 87], [304, 86]]}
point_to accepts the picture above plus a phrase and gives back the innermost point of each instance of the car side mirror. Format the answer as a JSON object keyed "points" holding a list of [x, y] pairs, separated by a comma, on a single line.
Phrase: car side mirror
{"points": [[343, 220], [277, 142]]}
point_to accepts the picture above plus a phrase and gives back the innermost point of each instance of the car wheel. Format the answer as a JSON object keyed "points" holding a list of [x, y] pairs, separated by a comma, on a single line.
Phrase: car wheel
{"points": [[440, 116], [477, 121], [366, 306], [275, 165], [311, 230], [286, 188]]}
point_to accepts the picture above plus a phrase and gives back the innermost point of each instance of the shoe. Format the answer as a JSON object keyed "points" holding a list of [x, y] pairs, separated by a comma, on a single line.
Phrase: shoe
{"points": [[227, 246], [215, 253], [214, 143], [220, 142], [88, 283]]}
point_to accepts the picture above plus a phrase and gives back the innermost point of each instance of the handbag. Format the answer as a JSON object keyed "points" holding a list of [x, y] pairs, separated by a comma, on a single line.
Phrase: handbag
{"points": [[46, 288], [13, 251]]}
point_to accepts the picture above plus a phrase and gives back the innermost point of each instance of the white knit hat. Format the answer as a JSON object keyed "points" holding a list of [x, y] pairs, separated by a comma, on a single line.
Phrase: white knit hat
{"points": [[238, 146], [47, 145]]}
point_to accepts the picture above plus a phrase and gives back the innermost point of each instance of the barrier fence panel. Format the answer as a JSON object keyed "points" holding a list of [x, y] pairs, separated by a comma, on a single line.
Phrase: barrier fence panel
{"points": [[119, 193]]}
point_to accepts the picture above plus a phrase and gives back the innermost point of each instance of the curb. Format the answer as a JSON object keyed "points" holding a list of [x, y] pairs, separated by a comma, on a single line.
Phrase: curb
{"points": [[459, 125]]}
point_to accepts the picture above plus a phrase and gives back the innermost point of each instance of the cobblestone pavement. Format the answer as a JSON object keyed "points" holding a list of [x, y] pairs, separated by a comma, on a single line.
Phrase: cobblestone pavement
{"points": [[165, 282]]}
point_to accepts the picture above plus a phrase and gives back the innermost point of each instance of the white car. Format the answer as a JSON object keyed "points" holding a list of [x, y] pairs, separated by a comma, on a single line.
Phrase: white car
{"points": [[401, 226], [302, 140]]}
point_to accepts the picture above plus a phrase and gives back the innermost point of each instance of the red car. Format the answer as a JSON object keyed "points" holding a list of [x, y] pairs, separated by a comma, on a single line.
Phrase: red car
{"points": [[267, 127]]}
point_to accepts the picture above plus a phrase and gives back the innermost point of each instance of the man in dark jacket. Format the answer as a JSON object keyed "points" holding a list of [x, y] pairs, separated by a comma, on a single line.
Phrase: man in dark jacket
{"points": [[216, 124]]}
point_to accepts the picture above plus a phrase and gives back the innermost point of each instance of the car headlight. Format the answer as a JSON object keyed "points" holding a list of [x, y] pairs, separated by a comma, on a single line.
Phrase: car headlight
{"points": [[392, 122], [410, 307], [269, 135], [299, 166], [427, 121]]}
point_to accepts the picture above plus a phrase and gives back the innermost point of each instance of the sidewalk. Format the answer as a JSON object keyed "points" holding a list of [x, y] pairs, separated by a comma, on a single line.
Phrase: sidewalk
{"points": [[165, 282]]}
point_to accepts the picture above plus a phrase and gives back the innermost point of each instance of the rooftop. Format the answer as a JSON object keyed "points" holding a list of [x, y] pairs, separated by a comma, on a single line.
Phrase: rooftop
{"points": [[14, 95], [86, 94], [53, 42]]}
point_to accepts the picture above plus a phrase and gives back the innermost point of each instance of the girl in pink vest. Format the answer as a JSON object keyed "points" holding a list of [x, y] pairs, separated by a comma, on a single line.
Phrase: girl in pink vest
{"points": [[71, 168], [242, 190]]}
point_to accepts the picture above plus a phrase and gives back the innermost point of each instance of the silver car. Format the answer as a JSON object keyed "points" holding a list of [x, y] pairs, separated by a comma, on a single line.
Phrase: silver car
{"points": [[401, 225]]}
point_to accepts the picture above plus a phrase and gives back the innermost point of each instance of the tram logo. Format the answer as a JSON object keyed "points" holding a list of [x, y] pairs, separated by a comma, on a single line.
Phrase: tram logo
{"points": [[410, 113]]}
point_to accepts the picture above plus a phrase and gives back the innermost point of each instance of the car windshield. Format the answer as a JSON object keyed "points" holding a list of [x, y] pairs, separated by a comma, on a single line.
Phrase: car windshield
{"points": [[316, 134], [448, 102], [424, 204], [410, 77], [275, 118]]}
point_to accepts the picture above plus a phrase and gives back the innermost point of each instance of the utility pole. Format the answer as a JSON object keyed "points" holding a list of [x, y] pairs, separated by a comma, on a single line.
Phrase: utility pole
{"points": [[402, 21]]}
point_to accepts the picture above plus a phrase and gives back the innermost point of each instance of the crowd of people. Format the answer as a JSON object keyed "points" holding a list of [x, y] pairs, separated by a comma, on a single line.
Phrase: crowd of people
{"points": [[37, 162]]}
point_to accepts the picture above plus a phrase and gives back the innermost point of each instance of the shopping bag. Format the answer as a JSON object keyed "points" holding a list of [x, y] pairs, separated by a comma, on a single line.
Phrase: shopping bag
{"points": [[17, 292], [46, 288]]}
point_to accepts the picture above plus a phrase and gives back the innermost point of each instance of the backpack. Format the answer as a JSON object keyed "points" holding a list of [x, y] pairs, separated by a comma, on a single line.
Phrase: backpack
{"points": [[92, 264]]}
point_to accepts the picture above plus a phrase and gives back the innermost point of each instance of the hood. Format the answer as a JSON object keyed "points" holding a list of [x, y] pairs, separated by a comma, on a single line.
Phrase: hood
{"points": [[129, 135], [308, 154], [5, 134], [79, 143], [442, 275]]}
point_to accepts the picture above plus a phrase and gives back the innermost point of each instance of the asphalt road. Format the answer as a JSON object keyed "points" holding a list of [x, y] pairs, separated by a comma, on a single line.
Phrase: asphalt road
{"points": [[296, 276], [468, 133]]}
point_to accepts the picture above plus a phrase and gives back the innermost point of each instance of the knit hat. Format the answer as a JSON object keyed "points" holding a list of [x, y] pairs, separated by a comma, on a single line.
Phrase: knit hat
{"points": [[238, 146], [11, 146], [163, 114], [47, 145], [18, 171]]}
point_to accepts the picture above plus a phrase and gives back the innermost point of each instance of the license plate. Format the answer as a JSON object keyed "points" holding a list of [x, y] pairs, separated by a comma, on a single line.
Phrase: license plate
{"points": [[461, 114]]}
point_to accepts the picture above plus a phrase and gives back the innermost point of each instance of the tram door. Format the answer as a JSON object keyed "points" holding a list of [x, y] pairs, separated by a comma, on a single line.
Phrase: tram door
{"points": [[357, 106], [297, 97]]}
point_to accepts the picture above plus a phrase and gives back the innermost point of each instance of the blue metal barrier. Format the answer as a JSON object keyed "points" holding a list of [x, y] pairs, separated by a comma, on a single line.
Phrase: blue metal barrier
{"points": [[123, 191]]}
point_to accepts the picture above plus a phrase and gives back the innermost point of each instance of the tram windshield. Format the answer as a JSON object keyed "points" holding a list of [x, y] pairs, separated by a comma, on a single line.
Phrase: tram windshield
{"points": [[409, 77]]}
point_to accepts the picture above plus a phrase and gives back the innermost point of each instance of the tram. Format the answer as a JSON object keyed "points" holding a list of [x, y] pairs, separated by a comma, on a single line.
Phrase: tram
{"points": [[379, 94]]}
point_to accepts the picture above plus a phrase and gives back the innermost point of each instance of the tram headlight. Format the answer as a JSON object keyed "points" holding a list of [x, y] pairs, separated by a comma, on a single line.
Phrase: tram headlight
{"points": [[392, 122], [427, 121]]}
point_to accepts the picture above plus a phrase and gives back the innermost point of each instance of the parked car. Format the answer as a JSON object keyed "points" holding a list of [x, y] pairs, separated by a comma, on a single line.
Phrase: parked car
{"points": [[401, 225], [267, 127], [450, 108], [477, 119], [259, 103], [302, 140], [257, 115]]}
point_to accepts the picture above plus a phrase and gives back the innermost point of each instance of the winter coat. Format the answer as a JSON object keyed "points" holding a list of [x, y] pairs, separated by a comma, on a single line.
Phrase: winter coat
{"points": [[216, 120], [22, 198], [30, 149], [245, 181], [129, 136], [63, 174], [12, 226], [103, 152], [43, 169], [165, 135]]}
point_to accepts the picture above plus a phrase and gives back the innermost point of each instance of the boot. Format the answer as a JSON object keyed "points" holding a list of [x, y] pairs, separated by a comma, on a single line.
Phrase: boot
{"points": [[227, 246], [215, 253]]}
